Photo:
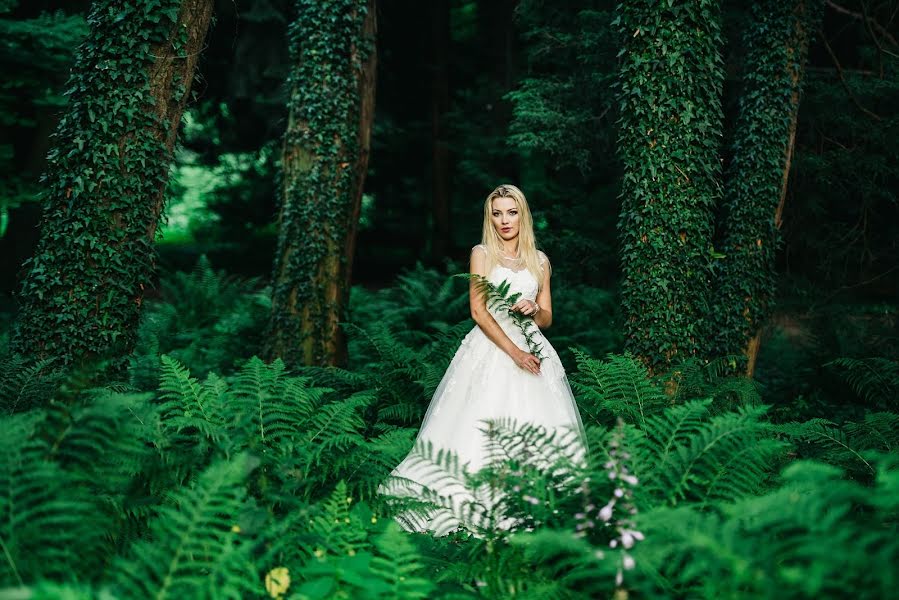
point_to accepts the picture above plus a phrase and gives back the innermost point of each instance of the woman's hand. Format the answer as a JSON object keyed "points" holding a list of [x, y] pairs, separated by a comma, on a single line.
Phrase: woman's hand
{"points": [[527, 361], [526, 307]]}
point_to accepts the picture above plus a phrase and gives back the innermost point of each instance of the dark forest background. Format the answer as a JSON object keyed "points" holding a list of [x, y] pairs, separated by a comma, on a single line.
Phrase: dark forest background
{"points": [[470, 95], [467, 95]]}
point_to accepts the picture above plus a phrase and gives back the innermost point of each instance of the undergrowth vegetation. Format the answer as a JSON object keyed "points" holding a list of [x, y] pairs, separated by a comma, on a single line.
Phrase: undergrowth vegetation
{"points": [[206, 473]]}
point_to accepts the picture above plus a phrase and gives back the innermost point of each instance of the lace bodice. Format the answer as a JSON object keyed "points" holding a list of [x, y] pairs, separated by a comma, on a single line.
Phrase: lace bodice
{"points": [[520, 279]]}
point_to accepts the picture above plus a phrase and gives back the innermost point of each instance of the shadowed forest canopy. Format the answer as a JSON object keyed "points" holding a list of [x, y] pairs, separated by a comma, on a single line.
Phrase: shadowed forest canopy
{"points": [[231, 233]]}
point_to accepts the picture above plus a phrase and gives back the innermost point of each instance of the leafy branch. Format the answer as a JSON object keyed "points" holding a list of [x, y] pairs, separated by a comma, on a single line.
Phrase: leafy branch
{"points": [[498, 297]]}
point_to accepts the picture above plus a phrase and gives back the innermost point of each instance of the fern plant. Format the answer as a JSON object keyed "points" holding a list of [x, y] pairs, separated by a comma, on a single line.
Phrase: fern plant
{"points": [[875, 379], [615, 387], [26, 383], [815, 535], [498, 297], [205, 318], [194, 549], [51, 525], [845, 445], [404, 376]]}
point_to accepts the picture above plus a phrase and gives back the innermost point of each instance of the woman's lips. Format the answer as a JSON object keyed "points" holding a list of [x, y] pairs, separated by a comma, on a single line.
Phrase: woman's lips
{"points": [[506, 229]]}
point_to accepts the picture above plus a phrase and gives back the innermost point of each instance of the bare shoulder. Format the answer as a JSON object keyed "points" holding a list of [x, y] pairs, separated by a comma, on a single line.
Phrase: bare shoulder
{"points": [[478, 259], [544, 260]]}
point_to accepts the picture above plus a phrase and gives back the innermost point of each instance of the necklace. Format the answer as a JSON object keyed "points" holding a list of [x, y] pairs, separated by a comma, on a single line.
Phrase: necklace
{"points": [[503, 255]]}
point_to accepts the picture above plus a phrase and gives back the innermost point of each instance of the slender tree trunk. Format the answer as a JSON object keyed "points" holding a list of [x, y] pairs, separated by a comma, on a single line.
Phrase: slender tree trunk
{"points": [[440, 40], [671, 81], [325, 159], [105, 179], [756, 182]]}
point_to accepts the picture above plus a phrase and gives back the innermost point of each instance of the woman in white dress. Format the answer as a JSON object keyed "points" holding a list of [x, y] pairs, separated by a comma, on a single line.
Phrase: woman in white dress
{"points": [[493, 375]]}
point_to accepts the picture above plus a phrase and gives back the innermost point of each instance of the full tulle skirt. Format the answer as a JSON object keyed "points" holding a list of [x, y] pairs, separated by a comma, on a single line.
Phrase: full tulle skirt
{"points": [[482, 384]]}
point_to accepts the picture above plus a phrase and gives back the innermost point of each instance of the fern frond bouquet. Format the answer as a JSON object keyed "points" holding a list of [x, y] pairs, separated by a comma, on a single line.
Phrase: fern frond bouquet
{"points": [[498, 297]]}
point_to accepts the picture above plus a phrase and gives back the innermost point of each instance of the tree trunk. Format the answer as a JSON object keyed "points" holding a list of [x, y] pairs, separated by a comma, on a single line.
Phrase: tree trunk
{"points": [[671, 81], [440, 40], [105, 180], [756, 182], [325, 158]]}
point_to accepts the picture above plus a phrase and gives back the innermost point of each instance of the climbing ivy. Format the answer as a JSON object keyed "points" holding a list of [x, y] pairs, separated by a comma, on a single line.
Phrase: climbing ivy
{"points": [[102, 190], [325, 155], [777, 46], [670, 84]]}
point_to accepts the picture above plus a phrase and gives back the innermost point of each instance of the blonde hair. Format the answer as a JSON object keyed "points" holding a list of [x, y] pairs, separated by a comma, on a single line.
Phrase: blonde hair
{"points": [[527, 246]]}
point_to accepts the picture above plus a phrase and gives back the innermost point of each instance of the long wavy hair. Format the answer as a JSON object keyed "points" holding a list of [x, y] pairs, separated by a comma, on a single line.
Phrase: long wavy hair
{"points": [[527, 245]]}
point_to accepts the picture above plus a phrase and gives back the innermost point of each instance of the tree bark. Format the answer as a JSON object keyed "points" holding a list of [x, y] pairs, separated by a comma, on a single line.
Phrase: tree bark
{"points": [[324, 163], [105, 180], [756, 181]]}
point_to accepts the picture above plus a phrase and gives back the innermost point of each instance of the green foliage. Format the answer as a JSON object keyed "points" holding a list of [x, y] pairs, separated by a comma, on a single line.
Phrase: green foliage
{"points": [[563, 127], [815, 536], [844, 175], [320, 182], [616, 387], [51, 525], [596, 330], [499, 298], [846, 445], [404, 373], [694, 378], [103, 187], [194, 550], [222, 486], [875, 379], [35, 54], [777, 42], [25, 383], [418, 303], [570, 53], [205, 318], [669, 91]]}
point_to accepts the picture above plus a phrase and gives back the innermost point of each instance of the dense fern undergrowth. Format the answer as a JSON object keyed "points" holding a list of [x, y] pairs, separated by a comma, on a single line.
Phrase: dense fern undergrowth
{"points": [[207, 473]]}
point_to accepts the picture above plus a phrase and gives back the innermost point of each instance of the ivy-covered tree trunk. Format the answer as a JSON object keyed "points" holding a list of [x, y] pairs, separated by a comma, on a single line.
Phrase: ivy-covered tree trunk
{"points": [[670, 86], [325, 158], [756, 182], [104, 186]]}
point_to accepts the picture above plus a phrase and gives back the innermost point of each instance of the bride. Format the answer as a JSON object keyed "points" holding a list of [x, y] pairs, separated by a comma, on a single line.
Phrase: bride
{"points": [[495, 374]]}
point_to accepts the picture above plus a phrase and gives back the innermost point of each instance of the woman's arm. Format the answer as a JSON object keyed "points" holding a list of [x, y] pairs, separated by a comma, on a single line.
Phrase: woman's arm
{"points": [[544, 316], [478, 305]]}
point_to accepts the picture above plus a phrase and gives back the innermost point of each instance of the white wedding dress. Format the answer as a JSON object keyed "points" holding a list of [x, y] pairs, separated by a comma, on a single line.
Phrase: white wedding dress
{"points": [[483, 382]]}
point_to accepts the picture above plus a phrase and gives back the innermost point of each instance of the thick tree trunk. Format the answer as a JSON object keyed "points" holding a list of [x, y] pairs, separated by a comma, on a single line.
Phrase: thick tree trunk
{"points": [[325, 159], [756, 182], [106, 178], [671, 80], [440, 40]]}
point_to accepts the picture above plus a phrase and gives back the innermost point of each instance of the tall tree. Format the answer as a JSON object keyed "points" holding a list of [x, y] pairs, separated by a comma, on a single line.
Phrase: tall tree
{"points": [[756, 182], [106, 176], [670, 87], [324, 162]]}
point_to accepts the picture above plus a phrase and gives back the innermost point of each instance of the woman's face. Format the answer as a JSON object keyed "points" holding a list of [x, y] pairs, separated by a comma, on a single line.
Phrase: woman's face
{"points": [[505, 217]]}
